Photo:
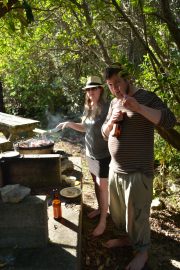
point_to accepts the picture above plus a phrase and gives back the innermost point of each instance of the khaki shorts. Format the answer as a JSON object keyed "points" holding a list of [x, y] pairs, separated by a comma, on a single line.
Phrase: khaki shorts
{"points": [[130, 197]]}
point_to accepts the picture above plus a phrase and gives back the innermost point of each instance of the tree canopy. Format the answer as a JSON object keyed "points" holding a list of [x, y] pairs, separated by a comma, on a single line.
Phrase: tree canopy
{"points": [[49, 47]]}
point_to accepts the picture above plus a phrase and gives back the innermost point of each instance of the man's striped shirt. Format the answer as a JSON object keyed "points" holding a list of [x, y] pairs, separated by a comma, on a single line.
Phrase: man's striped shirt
{"points": [[134, 150]]}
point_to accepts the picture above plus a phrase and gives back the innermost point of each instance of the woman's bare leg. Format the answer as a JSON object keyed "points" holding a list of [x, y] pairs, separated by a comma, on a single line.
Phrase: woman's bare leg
{"points": [[102, 198], [95, 212]]}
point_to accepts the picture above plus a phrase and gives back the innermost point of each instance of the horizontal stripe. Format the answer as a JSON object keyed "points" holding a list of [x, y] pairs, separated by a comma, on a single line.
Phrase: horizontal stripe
{"points": [[133, 151]]}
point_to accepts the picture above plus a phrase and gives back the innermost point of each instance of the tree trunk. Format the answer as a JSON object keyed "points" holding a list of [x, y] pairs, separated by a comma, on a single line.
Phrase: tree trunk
{"points": [[6, 8], [171, 136], [171, 23], [2, 109]]}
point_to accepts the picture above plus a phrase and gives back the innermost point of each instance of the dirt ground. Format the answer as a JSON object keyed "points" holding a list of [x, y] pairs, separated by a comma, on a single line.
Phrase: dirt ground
{"points": [[165, 248]]}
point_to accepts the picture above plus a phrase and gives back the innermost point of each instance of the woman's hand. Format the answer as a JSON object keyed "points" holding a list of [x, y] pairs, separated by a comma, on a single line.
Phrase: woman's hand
{"points": [[62, 125], [76, 126]]}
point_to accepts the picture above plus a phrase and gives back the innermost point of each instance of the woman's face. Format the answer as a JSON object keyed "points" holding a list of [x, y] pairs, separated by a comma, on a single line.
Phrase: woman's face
{"points": [[94, 94]]}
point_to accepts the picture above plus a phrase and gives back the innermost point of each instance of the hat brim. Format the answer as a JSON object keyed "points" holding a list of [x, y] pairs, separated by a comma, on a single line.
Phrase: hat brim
{"points": [[92, 86]]}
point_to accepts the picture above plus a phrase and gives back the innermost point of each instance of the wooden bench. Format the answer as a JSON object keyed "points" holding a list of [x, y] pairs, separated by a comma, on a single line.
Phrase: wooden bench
{"points": [[15, 127]]}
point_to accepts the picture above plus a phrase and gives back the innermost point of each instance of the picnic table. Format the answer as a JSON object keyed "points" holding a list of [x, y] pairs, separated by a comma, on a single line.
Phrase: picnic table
{"points": [[15, 127]]}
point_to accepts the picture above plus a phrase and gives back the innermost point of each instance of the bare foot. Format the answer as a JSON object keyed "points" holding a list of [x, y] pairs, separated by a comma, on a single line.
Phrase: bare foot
{"points": [[94, 213], [121, 242], [138, 262], [99, 229]]}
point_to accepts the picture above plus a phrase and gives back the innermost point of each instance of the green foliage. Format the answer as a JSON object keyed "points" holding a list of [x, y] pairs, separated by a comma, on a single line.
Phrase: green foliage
{"points": [[167, 172], [167, 156]]}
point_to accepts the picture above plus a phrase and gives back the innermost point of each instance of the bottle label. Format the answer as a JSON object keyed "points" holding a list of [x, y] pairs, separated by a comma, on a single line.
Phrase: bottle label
{"points": [[57, 210]]}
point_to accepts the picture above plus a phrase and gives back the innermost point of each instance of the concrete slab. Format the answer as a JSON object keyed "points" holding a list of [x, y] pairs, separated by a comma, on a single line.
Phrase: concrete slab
{"points": [[67, 234], [24, 224]]}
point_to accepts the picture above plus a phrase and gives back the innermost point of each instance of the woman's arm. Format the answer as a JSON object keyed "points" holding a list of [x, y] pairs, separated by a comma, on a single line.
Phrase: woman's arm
{"points": [[76, 126]]}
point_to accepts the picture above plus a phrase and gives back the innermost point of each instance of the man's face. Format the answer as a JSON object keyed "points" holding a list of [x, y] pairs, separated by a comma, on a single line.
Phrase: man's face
{"points": [[118, 86]]}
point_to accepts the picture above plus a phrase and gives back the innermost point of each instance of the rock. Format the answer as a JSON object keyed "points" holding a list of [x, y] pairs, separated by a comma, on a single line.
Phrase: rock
{"points": [[175, 188], [14, 193], [66, 165], [175, 263], [63, 177], [157, 204]]}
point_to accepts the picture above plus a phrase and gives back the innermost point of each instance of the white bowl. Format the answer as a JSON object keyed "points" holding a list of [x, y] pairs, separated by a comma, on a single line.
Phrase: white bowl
{"points": [[70, 180]]}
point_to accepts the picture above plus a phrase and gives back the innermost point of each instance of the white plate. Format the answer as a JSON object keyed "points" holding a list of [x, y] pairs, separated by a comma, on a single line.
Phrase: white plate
{"points": [[10, 154], [70, 192]]}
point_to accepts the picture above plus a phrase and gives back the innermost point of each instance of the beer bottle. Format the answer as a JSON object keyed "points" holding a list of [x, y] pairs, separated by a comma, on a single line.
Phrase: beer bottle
{"points": [[116, 131], [56, 203], [117, 127]]}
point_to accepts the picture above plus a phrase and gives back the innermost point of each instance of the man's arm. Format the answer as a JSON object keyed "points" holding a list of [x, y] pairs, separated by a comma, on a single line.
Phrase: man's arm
{"points": [[106, 129], [157, 112], [108, 124], [153, 115]]}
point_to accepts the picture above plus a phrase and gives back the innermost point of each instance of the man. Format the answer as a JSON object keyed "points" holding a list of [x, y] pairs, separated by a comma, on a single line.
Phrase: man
{"points": [[131, 168]]}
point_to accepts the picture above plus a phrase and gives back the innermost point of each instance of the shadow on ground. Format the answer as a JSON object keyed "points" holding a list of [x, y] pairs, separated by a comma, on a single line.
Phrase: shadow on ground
{"points": [[51, 257], [164, 254]]}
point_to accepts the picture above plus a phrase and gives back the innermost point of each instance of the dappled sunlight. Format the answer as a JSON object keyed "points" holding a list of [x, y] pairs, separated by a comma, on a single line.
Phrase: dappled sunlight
{"points": [[164, 231]]}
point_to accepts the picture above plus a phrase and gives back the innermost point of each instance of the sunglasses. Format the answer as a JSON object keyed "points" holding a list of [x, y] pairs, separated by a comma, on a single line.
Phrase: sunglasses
{"points": [[91, 89]]}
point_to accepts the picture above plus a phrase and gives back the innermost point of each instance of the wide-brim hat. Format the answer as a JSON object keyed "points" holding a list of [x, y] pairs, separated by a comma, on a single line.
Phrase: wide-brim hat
{"points": [[93, 81]]}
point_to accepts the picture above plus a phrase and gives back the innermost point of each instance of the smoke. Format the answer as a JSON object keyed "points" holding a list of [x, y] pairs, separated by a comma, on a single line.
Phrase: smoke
{"points": [[53, 119]]}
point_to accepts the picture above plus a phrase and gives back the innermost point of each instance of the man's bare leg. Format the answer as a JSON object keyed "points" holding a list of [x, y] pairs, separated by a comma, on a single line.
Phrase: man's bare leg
{"points": [[124, 241], [99, 230], [138, 261], [94, 213]]}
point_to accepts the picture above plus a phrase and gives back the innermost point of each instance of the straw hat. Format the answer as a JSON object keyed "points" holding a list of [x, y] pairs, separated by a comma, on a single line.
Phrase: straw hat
{"points": [[93, 81]]}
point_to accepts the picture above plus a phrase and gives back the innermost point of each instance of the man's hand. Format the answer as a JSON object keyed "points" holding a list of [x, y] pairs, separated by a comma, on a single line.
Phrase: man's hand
{"points": [[131, 103], [116, 116], [153, 115]]}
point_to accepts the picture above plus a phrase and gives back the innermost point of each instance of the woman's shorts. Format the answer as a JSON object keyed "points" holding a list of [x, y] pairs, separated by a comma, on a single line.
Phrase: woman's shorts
{"points": [[99, 167]]}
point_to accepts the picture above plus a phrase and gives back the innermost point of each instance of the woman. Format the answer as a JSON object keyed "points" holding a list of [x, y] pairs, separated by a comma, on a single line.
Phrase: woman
{"points": [[97, 153]]}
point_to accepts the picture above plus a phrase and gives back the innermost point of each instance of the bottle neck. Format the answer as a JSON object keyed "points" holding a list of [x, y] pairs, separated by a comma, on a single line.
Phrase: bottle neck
{"points": [[55, 194], [56, 201]]}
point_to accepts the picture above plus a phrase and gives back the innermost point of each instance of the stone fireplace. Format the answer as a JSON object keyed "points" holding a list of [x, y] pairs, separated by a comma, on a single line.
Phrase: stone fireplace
{"points": [[34, 171]]}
